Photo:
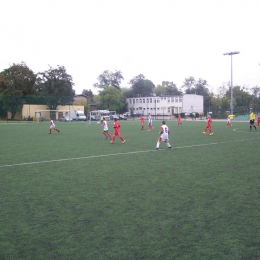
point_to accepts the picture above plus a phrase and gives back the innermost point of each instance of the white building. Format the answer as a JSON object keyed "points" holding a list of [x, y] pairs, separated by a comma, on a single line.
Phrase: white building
{"points": [[166, 105]]}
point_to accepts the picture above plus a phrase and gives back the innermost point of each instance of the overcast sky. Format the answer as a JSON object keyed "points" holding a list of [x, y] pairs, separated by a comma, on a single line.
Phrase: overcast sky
{"points": [[165, 40]]}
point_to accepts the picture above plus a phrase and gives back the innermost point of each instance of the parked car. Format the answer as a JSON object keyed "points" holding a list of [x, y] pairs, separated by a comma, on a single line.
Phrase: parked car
{"points": [[92, 118], [126, 114], [122, 117], [137, 114], [114, 116], [65, 119]]}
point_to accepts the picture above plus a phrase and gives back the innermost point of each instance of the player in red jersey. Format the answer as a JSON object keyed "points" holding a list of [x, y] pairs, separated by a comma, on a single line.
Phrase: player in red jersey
{"points": [[208, 126], [117, 132], [258, 121], [52, 126], [179, 120], [142, 122]]}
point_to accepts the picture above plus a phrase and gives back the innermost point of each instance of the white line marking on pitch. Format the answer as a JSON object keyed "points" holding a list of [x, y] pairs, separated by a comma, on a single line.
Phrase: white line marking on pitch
{"points": [[116, 154]]}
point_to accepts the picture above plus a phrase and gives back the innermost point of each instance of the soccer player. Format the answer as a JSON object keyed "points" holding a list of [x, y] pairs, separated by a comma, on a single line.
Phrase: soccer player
{"points": [[142, 122], [208, 126], [258, 121], [252, 120], [179, 120], [150, 122], [228, 122], [117, 132], [163, 136], [105, 129], [52, 126]]}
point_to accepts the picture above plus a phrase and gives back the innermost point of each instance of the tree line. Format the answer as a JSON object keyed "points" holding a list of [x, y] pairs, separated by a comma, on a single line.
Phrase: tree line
{"points": [[20, 85]]}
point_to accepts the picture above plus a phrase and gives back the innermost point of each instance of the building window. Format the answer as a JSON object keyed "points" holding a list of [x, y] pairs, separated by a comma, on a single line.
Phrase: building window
{"points": [[143, 100], [133, 101], [151, 100], [140, 100], [147, 100], [180, 99], [130, 101]]}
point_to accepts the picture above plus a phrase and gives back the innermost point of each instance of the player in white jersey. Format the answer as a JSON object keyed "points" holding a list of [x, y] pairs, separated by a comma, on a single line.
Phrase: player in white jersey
{"points": [[228, 122], [150, 122], [52, 126], [105, 129], [164, 136]]}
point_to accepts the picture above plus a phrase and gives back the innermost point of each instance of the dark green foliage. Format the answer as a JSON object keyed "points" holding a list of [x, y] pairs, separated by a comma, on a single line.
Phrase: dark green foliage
{"points": [[55, 85], [79, 197], [15, 83]]}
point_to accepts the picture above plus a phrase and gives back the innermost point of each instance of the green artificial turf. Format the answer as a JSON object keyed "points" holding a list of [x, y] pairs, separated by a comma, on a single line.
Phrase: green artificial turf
{"points": [[73, 195]]}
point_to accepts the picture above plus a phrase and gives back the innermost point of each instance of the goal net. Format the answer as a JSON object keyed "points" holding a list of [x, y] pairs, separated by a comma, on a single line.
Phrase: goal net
{"points": [[95, 115], [47, 115]]}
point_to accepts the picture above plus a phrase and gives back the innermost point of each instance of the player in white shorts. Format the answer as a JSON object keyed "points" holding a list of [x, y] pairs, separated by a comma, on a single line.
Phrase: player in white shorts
{"points": [[52, 126], [164, 136]]}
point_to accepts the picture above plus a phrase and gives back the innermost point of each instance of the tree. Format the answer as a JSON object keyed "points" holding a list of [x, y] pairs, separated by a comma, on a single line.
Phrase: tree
{"points": [[89, 94], [112, 99], [141, 86], [56, 87], [136, 79], [16, 83], [199, 87], [108, 78], [167, 88]]}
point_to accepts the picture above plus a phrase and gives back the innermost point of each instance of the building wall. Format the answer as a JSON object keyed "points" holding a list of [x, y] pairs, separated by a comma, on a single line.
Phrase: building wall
{"points": [[30, 111], [192, 103], [156, 105], [165, 105]]}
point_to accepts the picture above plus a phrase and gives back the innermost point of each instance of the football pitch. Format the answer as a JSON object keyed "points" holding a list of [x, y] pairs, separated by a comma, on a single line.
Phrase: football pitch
{"points": [[73, 195]]}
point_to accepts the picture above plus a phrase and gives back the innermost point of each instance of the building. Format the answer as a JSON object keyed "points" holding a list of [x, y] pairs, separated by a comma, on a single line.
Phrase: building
{"points": [[165, 104]]}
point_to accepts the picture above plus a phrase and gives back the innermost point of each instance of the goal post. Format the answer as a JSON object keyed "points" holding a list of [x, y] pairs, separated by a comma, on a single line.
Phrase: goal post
{"points": [[47, 115], [95, 115]]}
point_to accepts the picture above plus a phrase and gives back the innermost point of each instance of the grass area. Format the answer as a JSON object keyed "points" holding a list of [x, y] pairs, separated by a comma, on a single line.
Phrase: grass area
{"points": [[73, 195]]}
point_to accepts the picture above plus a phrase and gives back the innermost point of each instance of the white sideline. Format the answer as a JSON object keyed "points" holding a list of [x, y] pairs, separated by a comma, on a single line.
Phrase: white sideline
{"points": [[116, 154]]}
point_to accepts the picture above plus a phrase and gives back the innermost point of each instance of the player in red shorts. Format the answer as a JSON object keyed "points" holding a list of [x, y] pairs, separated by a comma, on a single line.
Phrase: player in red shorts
{"points": [[258, 121], [228, 122], [142, 122], [52, 126], [208, 126], [179, 120], [117, 132]]}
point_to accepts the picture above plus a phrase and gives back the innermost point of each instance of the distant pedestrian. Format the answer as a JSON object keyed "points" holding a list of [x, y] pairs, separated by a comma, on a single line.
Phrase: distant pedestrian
{"points": [[164, 136], [252, 120], [52, 126], [117, 132], [208, 126]]}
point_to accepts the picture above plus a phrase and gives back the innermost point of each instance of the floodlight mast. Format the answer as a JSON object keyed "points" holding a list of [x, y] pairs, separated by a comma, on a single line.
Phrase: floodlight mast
{"points": [[231, 94]]}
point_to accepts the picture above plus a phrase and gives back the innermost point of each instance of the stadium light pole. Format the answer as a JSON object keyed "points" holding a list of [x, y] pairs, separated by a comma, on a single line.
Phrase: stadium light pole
{"points": [[231, 98]]}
